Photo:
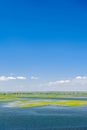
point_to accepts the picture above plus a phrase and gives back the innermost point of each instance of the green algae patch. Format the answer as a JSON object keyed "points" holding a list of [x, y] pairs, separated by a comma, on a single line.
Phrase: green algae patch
{"points": [[26, 104], [71, 103], [38, 103]]}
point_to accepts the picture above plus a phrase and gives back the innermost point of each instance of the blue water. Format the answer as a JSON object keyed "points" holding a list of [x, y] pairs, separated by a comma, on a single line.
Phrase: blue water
{"points": [[43, 118]]}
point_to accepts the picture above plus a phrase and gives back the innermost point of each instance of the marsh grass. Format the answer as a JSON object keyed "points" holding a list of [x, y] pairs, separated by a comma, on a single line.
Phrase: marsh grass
{"points": [[38, 103]]}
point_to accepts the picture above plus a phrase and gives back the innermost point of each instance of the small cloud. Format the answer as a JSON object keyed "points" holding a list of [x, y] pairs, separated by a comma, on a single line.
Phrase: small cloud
{"points": [[58, 82], [11, 78], [78, 77], [4, 78], [81, 77], [21, 78], [7, 78], [82, 80], [34, 78]]}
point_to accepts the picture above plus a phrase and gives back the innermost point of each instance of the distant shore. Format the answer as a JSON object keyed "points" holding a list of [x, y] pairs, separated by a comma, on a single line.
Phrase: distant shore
{"points": [[46, 95]]}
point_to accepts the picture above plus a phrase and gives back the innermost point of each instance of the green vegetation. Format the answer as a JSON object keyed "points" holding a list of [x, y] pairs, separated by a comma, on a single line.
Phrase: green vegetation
{"points": [[36, 103], [7, 97], [20, 99], [47, 95]]}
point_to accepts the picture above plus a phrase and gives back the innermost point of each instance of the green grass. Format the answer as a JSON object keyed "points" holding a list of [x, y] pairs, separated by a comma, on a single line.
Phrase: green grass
{"points": [[36, 103], [7, 97]]}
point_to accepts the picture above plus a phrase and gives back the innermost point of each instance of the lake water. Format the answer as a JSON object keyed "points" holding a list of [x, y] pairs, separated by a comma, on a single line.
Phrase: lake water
{"points": [[43, 118]]}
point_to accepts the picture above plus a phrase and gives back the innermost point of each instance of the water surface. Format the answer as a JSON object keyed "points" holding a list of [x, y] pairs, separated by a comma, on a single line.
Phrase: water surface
{"points": [[45, 117]]}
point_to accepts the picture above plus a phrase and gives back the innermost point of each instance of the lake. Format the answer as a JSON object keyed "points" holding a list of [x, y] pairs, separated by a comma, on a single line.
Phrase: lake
{"points": [[43, 118]]}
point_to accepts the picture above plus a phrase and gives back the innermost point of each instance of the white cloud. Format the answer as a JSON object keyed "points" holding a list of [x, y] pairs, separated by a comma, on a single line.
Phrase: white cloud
{"points": [[21, 78], [81, 77], [78, 83], [4, 78], [7, 78], [11, 78], [79, 80], [34, 78], [58, 82]]}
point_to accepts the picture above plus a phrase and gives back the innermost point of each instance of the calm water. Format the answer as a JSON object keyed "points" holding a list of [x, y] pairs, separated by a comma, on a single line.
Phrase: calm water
{"points": [[43, 118]]}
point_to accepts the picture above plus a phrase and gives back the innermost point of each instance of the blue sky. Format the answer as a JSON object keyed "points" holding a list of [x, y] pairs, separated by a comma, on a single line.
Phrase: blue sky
{"points": [[43, 45]]}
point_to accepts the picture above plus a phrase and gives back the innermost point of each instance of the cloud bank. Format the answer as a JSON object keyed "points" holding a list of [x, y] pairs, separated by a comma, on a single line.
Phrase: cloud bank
{"points": [[82, 80], [78, 83]]}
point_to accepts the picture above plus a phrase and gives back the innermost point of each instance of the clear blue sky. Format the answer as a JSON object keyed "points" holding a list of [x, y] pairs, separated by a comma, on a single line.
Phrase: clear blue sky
{"points": [[44, 41]]}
